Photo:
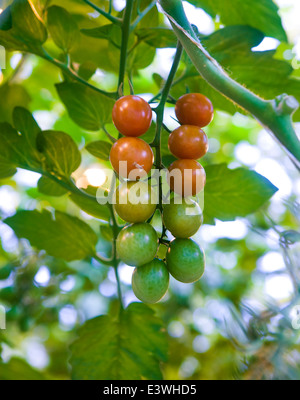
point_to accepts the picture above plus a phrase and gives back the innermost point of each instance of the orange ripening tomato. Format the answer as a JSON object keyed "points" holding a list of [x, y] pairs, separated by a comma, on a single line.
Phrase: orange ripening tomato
{"points": [[194, 109], [132, 116], [186, 177], [188, 142], [131, 158]]}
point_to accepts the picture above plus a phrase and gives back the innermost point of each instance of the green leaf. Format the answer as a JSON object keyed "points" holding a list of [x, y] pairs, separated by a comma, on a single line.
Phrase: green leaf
{"points": [[6, 170], [16, 151], [18, 370], [88, 109], [240, 39], [6, 19], [62, 156], [157, 37], [27, 126], [27, 22], [63, 237], [152, 17], [11, 96], [261, 14], [50, 188], [101, 32], [87, 70], [159, 80], [109, 32], [93, 49], [99, 149], [8, 37], [29, 148], [234, 193], [90, 205], [62, 27], [141, 57], [107, 233], [21, 28], [125, 345]]}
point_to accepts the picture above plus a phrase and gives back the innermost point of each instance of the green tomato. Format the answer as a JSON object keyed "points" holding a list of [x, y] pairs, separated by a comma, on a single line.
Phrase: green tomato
{"points": [[137, 244], [150, 282], [135, 201], [185, 260], [182, 220]]}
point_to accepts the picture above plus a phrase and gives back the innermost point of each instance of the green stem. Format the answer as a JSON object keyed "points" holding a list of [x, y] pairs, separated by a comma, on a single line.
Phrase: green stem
{"points": [[124, 46], [122, 71], [274, 115], [119, 286], [102, 260], [142, 15], [69, 185], [16, 71], [108, 16], [159, 110], [115, 260], [110, 137], [73, 74], [176, 82]]}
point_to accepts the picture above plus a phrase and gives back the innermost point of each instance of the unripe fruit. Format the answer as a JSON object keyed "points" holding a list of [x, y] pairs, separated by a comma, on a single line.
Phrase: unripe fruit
{"points": [[189, 142], [150, 282], [135, 201], [182, 220], [185, 260], [132, 115], [137, 244], [194, 109]]}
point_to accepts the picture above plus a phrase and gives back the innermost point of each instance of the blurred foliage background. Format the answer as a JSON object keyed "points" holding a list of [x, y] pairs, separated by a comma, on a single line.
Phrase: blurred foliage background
{"points": [[237, 322]]}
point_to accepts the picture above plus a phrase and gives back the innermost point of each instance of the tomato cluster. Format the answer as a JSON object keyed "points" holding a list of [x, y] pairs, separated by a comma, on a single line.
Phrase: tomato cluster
{"points": [[188, 143], [132, 159]]}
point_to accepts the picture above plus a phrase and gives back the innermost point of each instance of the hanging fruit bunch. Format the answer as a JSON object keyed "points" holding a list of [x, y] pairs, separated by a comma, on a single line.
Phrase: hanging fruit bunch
{"points": [[132, 159]]}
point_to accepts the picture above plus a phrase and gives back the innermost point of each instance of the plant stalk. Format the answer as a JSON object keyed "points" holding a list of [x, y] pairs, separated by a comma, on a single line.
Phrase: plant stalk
{"points": [[274, 115]]}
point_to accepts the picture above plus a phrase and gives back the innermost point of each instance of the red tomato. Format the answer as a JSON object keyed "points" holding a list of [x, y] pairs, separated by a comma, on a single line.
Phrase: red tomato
{"points": [[132, 116], [186, 177], [131, 158], [194, 109], [188, 142]]}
